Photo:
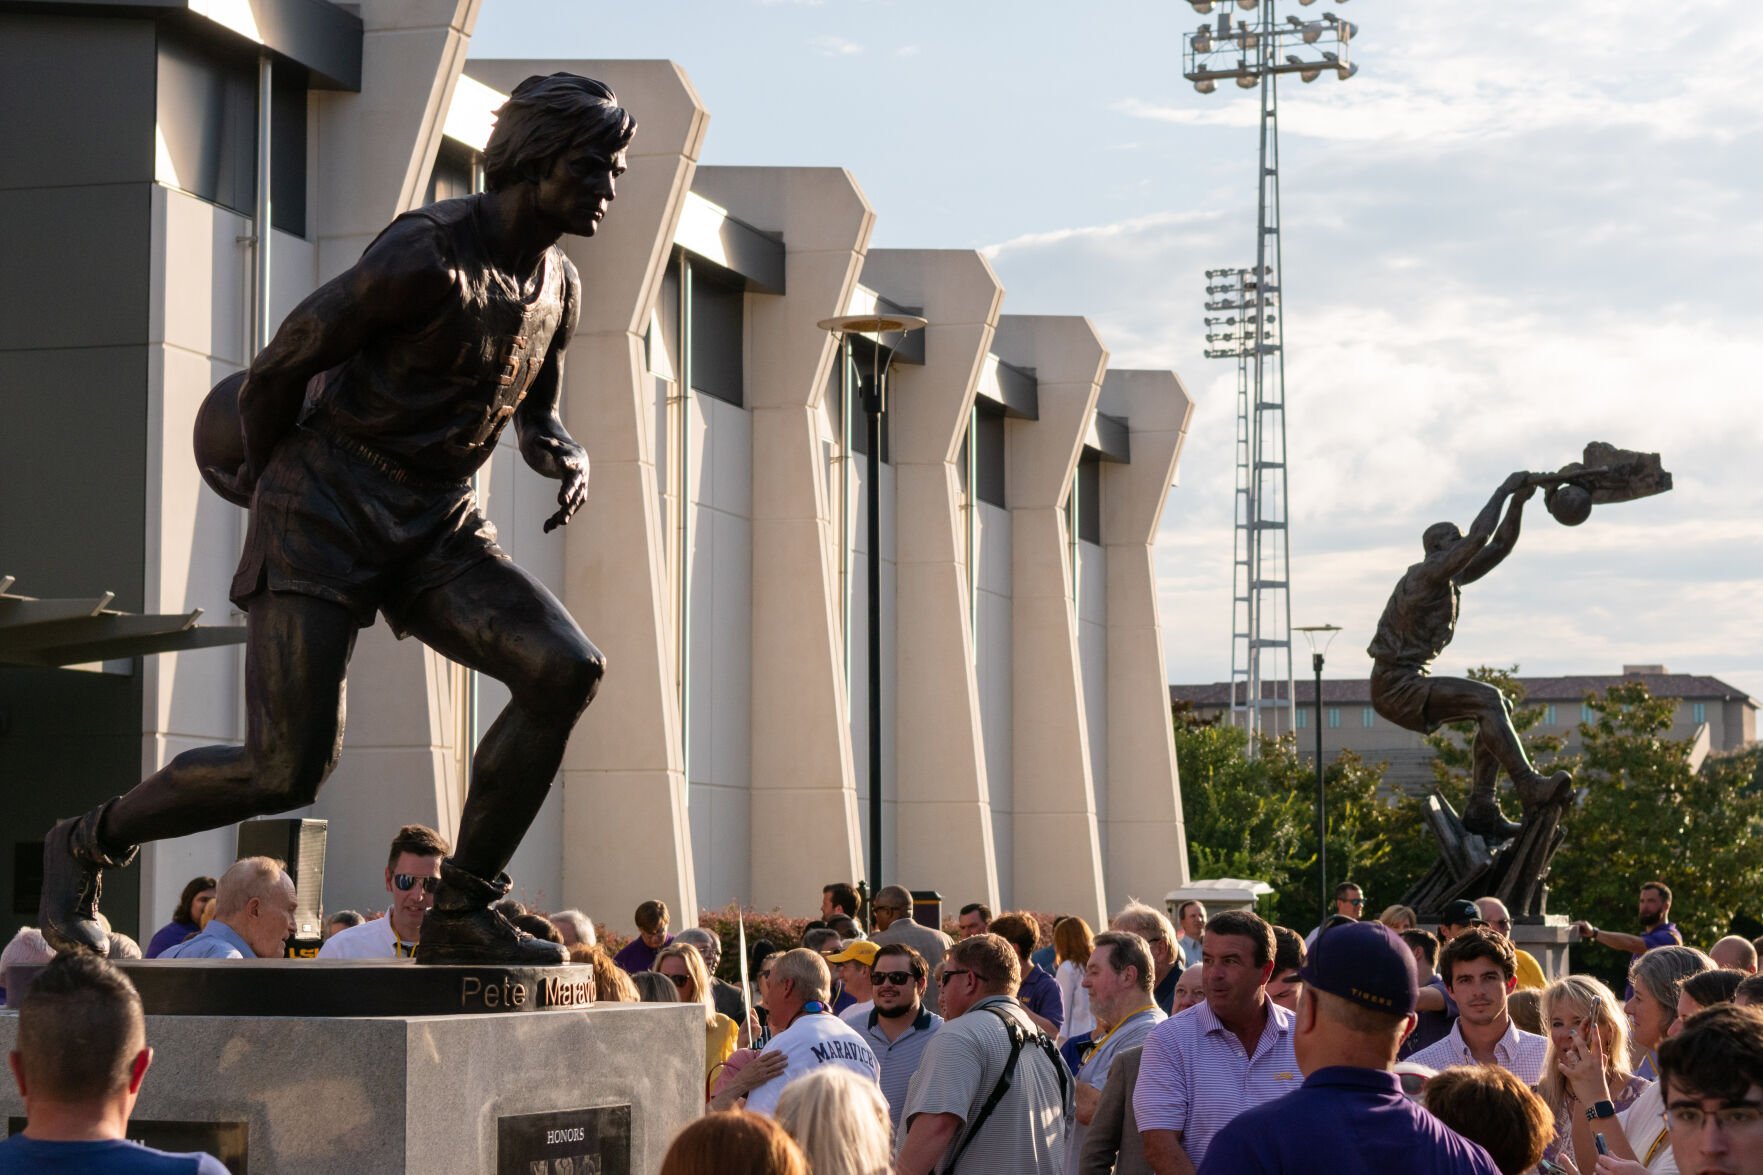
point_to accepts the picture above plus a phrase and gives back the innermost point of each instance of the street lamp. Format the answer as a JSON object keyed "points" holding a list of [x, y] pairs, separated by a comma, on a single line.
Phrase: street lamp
{"points": [[1325, 634], [874, 393]]}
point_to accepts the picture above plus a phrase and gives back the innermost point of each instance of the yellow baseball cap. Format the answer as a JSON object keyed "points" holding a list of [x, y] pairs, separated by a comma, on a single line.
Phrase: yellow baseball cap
{"points": [[859, 950]]}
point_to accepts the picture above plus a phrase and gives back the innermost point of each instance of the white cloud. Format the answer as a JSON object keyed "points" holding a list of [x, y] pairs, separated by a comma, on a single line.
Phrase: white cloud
{"points": [[829, 45], [1098, 232], [907, 51]]}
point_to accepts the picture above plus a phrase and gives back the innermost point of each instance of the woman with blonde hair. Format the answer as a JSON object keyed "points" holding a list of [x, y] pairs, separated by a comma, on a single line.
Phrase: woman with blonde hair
{"points": [[1400, 918], [1072, 943], [1573, 1008], [734, 1141], [840, 1120], [1639, 1134], [611, 984], [684, 966]]}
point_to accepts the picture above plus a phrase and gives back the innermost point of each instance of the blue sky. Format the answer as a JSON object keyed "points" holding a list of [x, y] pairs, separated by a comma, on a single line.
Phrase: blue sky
{"points": [[1520, 228]]}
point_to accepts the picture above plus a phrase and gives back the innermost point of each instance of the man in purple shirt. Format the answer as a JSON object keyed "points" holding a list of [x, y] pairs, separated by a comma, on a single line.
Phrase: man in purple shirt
{"points": [[1039, 993], [1657, 929], [1350, 1116], [639, 954]]}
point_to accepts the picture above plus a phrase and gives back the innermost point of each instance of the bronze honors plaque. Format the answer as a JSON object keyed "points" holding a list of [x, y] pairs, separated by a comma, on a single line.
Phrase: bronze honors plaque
{"points": [[565, 1142], [224, 1140]]}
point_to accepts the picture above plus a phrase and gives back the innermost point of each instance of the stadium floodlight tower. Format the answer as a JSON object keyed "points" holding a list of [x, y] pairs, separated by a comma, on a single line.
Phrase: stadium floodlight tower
{"points": [[1243, 323]]}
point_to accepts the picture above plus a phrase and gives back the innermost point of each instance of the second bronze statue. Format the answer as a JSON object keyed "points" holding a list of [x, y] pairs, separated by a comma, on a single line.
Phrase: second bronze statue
{"points": [[357, 432]]}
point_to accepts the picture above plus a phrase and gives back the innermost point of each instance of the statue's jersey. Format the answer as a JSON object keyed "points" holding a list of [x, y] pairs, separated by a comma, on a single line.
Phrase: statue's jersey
{"points": [[435, 399], [1418, 622]]}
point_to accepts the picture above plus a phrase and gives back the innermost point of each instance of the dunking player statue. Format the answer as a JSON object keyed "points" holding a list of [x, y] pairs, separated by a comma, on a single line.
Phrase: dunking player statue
{"points": [[1418, 623], [362, 422]]}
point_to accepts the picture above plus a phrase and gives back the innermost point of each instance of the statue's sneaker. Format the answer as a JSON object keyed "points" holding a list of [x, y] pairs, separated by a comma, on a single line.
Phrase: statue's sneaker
{"points": [[483, 936], [68, 910], [1542, 790], [1482, 816]]}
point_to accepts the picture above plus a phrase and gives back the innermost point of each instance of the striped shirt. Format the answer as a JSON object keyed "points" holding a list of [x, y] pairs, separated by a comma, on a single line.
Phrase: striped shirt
{"points": [[1520, 1053], [899, 1057], [1195, 1076]]}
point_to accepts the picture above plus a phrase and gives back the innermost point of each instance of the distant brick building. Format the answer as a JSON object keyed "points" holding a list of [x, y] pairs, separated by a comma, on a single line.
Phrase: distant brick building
{"points": [[1720, 716]]}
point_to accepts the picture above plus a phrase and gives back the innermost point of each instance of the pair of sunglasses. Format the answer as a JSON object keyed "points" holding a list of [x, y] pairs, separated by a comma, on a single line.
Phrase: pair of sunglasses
{"points": [[897, 978], [405, 883], [680, 981]]}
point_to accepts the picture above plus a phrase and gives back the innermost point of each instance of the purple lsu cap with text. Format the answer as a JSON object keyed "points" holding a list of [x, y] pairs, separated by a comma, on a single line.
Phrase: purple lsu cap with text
{"points": [[1366, 963]]}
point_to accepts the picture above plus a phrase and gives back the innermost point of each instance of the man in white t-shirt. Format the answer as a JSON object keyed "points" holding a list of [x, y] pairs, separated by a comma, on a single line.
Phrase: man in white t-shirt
{"points": [[413, 873], [804, 1031]]}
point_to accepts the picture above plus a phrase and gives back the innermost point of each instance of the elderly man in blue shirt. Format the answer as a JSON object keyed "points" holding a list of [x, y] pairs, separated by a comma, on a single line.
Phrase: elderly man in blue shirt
{"points": [[253, 914], [1350, 1116]]}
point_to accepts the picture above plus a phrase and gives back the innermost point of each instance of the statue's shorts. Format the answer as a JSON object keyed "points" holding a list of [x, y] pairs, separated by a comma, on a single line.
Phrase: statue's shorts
{"points": [[332, 518], [1400, 693]]}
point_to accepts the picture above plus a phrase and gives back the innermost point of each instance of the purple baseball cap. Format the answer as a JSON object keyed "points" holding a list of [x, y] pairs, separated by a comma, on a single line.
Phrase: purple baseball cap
{"points": [[1366, 963]]}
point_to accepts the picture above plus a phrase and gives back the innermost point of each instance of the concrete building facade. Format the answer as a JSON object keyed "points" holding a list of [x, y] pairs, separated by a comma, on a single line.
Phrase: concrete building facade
{"points": [[720, 561]]}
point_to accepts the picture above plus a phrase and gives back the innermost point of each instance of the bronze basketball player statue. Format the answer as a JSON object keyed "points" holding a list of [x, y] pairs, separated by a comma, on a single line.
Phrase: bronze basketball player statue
{"points": [[1421, 617], [358, 430]]}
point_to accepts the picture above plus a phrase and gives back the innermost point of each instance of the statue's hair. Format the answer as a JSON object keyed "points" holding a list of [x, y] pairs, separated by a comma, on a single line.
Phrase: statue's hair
{"points": [[546, 116], [1436, 533]]}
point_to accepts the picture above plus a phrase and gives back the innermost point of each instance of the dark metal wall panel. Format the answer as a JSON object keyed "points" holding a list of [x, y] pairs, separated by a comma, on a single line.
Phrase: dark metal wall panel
{"points": [[73, 472], [76, 270], [207, 121], [718, 328], [77, 97], [68, 741]]}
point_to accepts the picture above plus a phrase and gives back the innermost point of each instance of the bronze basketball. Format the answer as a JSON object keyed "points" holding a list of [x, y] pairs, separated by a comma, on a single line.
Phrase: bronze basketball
{"points": [[219, 438]]}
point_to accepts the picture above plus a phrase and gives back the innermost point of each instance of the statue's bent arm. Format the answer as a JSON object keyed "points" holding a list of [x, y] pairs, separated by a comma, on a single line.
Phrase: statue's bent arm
{"points": [[397, 283]]}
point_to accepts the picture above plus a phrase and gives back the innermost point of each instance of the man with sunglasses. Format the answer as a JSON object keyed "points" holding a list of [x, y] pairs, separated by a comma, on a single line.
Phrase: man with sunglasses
{"points": [[899, 1026], [1349, 902], [413, 873]]}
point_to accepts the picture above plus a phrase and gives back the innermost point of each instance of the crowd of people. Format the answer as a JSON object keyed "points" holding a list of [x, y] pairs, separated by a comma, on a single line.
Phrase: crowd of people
{"points": [[1215, 1045]]}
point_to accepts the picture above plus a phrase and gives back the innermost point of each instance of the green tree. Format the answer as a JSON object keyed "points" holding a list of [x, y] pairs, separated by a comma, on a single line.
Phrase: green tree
{"points": [[1644, 814], [1256, 818], [1244, 818]]}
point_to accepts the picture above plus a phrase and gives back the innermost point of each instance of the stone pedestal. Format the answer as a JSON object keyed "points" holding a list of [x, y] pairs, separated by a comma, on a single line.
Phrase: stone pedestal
{"points": [[1546, 937], [469, 1094]]}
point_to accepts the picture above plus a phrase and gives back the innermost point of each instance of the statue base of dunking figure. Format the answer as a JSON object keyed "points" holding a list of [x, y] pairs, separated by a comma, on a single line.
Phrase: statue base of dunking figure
{"points": [[353, 438], [1421, 618]]}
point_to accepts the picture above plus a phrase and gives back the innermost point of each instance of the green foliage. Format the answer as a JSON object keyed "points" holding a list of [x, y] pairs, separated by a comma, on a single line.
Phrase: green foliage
{"points": [[1256, 819], [1644, 814], [782, 931]]}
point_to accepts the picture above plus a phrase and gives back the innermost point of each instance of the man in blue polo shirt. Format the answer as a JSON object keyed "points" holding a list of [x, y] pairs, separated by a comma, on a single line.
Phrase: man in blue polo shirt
{"points": [[1357, 1004], [254, 908]]}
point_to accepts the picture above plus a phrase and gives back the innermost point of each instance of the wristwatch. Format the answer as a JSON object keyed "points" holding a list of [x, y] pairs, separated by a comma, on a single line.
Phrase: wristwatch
{"points": [[1590, 933], [1600, 1110]]}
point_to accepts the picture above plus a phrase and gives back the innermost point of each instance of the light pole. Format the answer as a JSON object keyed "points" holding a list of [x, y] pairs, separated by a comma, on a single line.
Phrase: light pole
{"points": [[1325, 633], [874, 400], [1254, 54]]}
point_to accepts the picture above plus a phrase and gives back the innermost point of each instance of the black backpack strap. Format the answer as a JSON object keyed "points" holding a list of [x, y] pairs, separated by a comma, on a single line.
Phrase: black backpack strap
{"points": [[1019, 1036]]}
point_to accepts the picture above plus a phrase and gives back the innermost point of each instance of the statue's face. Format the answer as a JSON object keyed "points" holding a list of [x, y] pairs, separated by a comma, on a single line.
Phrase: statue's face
{"points": [[579, 188]]}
